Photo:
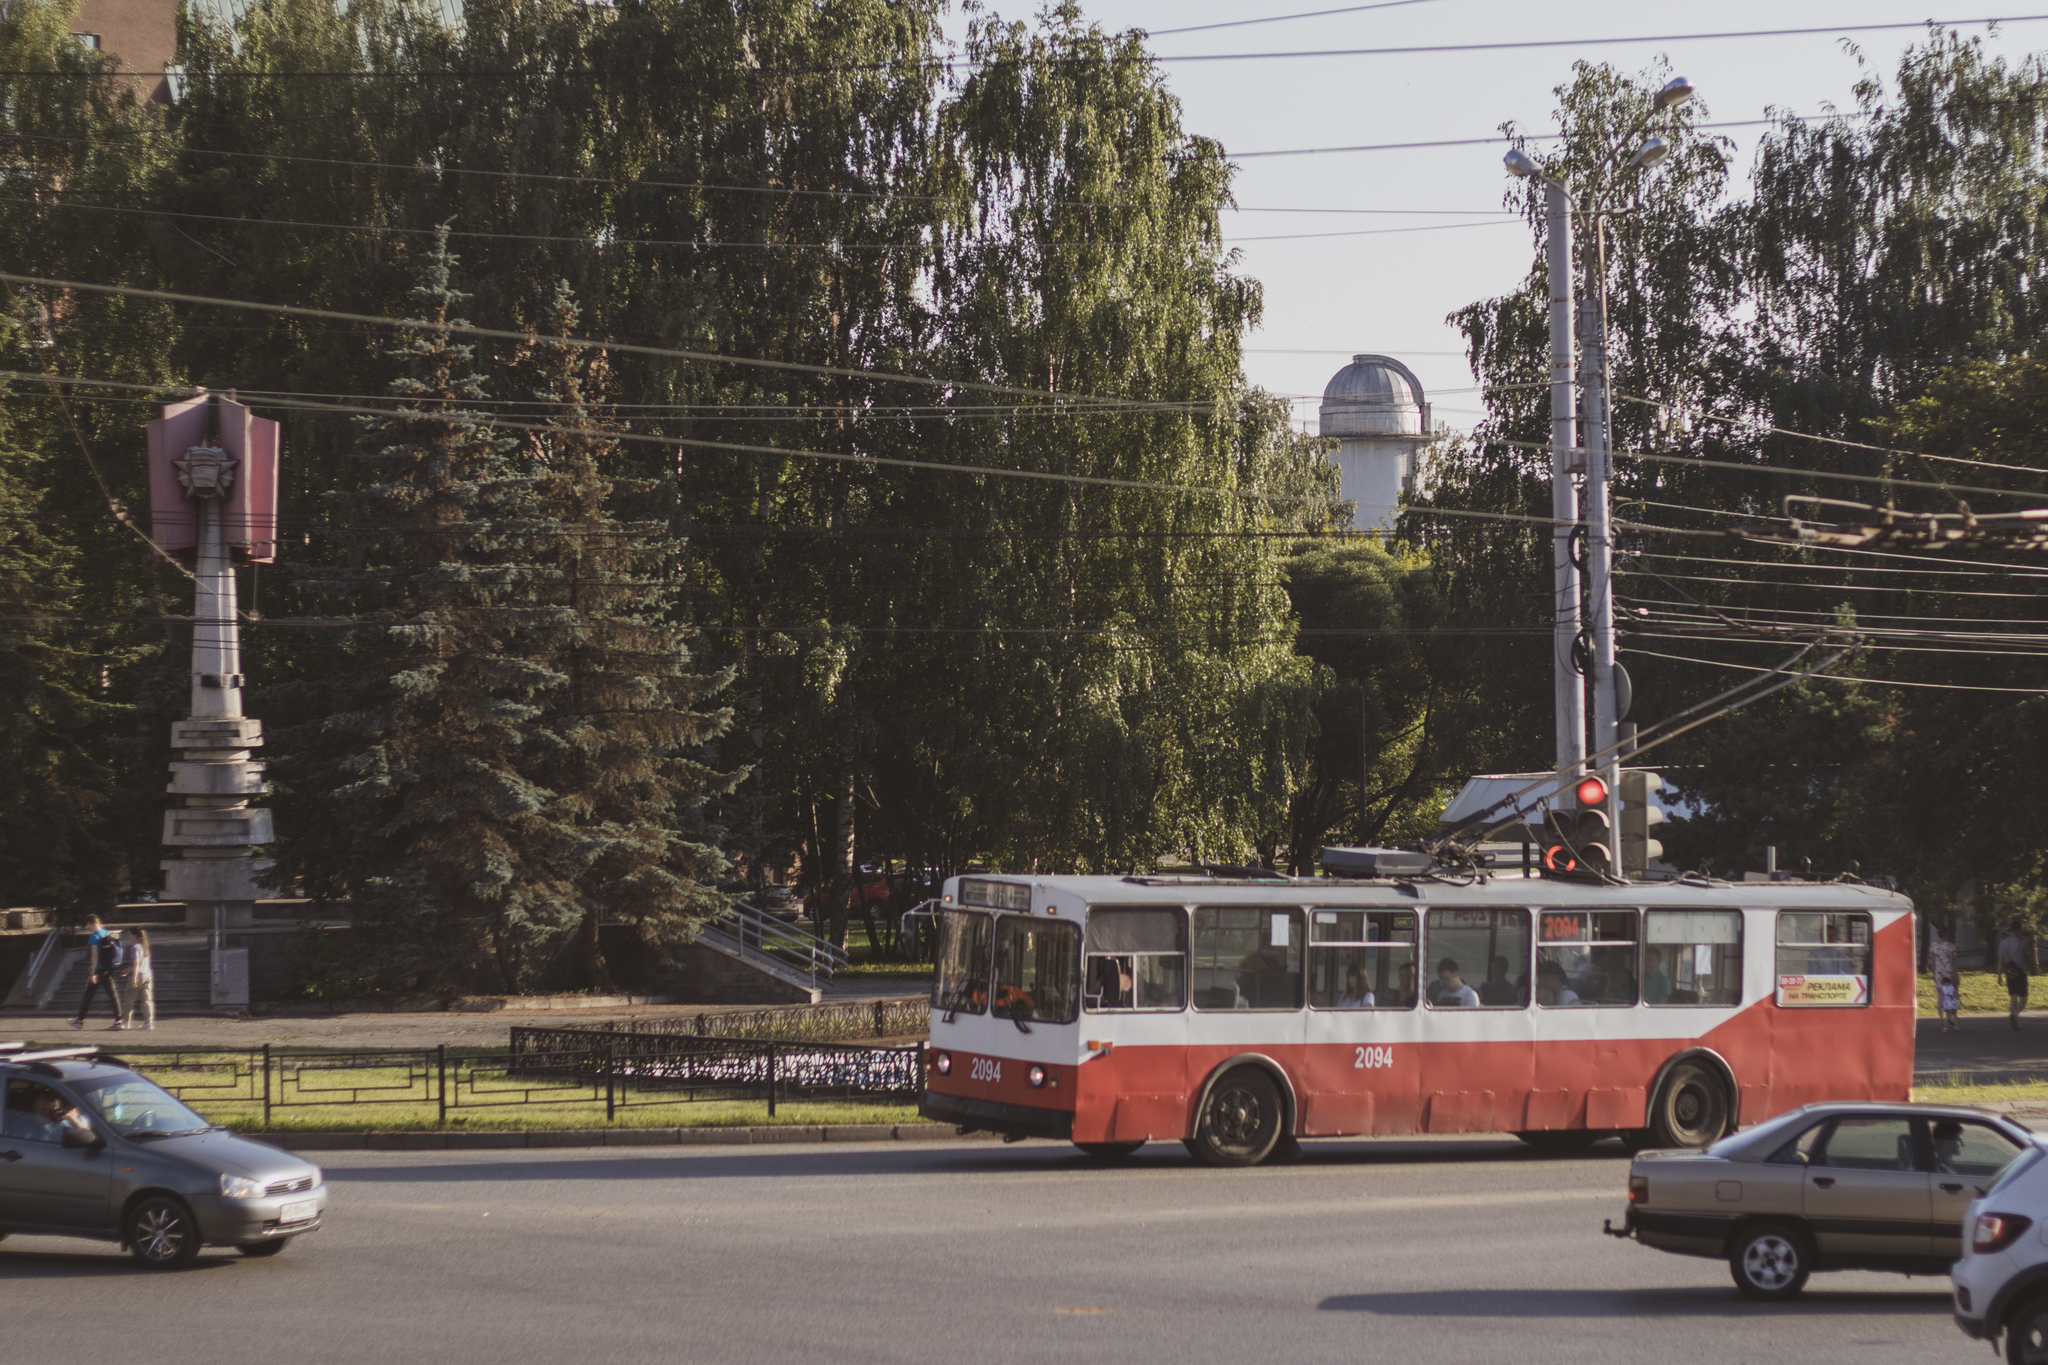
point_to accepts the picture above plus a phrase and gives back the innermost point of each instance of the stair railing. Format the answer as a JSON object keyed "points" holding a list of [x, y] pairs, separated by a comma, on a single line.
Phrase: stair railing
{"points": [[759, 931], [31, 981]]}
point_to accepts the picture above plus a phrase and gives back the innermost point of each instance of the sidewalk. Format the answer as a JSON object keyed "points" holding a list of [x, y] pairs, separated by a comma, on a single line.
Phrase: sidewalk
{"points": [[1986, 1049]]}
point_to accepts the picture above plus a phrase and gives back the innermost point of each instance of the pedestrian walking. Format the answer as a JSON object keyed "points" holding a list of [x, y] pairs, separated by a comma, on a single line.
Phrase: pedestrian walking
{"points": [[2012, 965], [103, 958], [1941, 958], [138, 984]]}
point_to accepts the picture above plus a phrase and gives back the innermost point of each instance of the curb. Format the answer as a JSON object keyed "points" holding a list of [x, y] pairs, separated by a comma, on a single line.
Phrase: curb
{"points": [[758, 1135]]}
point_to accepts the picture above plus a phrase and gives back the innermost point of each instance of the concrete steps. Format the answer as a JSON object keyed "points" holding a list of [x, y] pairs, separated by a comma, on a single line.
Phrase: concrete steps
{"points": [[184, 979]]}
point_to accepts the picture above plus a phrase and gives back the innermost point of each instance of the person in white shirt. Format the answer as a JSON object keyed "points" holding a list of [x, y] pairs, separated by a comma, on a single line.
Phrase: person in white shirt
{"points": [[1451, 989], [1357, 996], [139, 979], [1551, 988]]}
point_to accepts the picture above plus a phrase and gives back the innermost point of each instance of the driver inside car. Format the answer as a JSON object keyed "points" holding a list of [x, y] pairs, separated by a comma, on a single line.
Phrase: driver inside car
{"points": [[36, 1113]]}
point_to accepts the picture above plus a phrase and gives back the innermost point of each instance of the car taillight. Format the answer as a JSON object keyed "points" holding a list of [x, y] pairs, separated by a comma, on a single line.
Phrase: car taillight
{"points": [[1997, 1231], [943, 1063], [1639, 1189], [1037, 1075]]}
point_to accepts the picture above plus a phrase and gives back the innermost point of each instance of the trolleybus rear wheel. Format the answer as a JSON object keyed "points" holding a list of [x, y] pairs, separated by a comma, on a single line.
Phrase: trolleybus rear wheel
{"points": [[1691, 1108], [1240, 1121], [1110, 1151]]}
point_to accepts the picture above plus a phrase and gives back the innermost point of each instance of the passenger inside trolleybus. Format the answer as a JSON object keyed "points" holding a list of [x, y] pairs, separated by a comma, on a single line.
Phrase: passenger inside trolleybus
{"points": [[1551, 988], [1112, 984]]}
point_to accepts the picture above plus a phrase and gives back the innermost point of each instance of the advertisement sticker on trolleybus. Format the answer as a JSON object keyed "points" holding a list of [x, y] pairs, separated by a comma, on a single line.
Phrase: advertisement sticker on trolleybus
{"points": [[1823, 990]]}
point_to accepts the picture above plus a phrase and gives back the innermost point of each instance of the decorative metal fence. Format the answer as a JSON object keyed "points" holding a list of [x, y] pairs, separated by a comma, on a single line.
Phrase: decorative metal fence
{"points": [[546, 1066], [840, 1021]]}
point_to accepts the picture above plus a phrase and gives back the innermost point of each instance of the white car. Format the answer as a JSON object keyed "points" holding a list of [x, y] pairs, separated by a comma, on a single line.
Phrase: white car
{"points": [[2001, 1282]]}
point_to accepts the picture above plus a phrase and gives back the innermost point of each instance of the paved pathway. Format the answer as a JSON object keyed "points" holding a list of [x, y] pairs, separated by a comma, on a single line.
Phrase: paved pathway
{"points": [[1987, 1048]]}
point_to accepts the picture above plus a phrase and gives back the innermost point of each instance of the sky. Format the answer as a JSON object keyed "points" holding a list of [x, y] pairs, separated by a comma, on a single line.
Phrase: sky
{"points": [[1327, 296]]}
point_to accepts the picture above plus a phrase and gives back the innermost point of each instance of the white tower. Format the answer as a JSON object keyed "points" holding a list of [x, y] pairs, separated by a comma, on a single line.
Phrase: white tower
{"points": [[1375, 408]]}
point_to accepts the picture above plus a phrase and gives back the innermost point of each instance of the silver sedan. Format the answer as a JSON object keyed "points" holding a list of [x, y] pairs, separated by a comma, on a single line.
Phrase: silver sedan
{"points": [[1842, 1186]]}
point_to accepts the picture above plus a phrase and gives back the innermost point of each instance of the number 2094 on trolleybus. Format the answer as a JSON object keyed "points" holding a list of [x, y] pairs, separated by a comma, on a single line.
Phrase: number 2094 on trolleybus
{"points": [[1239, 1015]]}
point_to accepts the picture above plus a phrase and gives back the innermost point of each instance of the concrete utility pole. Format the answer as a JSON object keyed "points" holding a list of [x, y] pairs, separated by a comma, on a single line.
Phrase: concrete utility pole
{"points": [[213, 501], [1596, 642], [1569, 701]]}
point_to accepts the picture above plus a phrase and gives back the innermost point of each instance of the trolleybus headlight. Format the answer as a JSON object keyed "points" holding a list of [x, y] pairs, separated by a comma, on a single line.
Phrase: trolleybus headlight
{"points": [[1997, 1231], [943, 1063], [1037, 1074]]}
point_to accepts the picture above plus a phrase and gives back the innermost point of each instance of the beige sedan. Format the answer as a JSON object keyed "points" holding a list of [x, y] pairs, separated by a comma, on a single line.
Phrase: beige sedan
{"points": [[1845, 1186]]}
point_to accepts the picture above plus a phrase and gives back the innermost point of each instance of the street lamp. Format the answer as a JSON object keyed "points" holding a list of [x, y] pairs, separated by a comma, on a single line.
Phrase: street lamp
{"points": [[1593, 459]]}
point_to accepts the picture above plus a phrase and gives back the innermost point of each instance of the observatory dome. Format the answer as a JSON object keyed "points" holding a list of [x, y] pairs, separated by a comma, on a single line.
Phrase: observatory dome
{"points": [[1375, 395]]}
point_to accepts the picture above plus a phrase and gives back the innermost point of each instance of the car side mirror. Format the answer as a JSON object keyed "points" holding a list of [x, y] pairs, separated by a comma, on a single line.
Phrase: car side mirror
{"points": [[74, 1136]]}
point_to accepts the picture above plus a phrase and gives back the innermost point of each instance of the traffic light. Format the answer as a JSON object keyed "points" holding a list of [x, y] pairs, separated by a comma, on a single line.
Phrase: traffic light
{"points": [[1575, 837], [1638, 816]]}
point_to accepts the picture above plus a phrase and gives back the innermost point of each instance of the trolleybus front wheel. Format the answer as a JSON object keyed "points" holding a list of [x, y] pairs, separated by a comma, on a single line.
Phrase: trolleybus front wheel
{"points": [[1240, 1121], [1692, 1108], [1109, 1151]]}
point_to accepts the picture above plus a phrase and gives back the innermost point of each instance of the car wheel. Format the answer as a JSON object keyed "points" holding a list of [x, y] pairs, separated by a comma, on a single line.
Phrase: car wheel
{"points": [[2026, 1333], [1770, 1262], [162, 1234], [1691, 1109], [1109, 1151], [1561, 1139], [1240, 1121], [269, 1248]]}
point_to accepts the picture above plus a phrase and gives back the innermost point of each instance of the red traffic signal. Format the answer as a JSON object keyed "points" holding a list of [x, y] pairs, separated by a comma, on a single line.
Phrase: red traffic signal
{"points": [[1591, 791]]}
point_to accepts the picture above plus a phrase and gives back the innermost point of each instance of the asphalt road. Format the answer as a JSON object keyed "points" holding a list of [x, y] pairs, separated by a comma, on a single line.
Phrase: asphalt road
{"points": [[1446, 1250]]}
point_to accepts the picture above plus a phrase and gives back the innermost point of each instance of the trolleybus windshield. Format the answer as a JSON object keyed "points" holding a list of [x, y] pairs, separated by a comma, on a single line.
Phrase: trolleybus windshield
{"points": [[1037, 966], [960, 985]]}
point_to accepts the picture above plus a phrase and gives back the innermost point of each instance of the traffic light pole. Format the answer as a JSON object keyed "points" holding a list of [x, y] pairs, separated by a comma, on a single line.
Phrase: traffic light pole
{"points": [[1600, 529], [1569, 689]]}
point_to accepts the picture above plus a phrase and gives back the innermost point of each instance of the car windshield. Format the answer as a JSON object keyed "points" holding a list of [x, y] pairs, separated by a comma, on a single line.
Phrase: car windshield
{"points": [[134, 1107]]}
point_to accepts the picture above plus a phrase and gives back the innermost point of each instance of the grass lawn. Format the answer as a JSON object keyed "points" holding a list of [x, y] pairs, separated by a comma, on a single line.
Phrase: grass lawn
{"points": [[1979, 992], [867, 967]]}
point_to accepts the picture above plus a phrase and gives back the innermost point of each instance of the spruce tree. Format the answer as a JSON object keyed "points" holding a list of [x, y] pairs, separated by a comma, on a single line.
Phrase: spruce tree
{"points": [[415, 780], [620, 740]]}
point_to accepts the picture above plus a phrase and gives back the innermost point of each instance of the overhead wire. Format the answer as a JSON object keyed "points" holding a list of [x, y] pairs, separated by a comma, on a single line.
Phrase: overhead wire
{"points": [[950, 64], [602, 243], [1838, 677], [1841, 441], [591, 344]]}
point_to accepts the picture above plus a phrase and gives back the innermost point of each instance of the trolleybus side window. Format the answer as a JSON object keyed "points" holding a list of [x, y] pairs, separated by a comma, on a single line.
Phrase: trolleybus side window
{"points": [[1038, 964], [960, 984], [1137, 959], [1361, 959], [1478, 958], [1823, 957], [1585, 957], [1247, 958], [1692, 957]]}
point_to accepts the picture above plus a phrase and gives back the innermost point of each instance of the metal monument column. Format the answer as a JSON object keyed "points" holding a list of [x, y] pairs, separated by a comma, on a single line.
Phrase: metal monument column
{"points": [[213, 503]]}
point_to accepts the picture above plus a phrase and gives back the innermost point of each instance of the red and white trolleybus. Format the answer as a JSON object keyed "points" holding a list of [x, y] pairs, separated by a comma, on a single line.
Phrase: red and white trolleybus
{"points": [[1240, 1015]]}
